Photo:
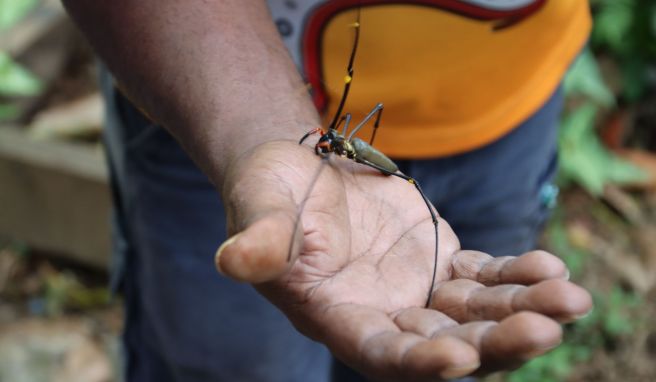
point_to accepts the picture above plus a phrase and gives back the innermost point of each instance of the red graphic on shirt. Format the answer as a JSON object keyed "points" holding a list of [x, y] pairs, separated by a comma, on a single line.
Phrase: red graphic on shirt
{"points": [[320, 16]]}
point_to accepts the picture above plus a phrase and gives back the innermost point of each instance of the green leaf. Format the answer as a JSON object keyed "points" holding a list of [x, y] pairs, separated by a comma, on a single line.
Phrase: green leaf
{"points": [[12, 11], [8, 112], [577, 160], [615, 324], [653, 21], [634, 78], [620, 312], [584, 159], [584, 78], [613, 24], [554, 366], [16, 80]]}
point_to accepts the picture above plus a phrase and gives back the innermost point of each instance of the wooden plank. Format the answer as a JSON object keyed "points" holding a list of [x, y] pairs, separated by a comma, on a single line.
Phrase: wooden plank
{"points": [[54, 196], [67, 157]]}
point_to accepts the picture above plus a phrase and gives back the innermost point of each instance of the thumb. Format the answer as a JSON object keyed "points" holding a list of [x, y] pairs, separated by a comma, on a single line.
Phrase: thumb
{"points": [[261, 196], [264, 250]]}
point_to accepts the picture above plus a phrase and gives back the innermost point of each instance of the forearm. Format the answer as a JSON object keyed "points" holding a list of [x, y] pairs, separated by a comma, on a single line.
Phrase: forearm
{"points": [[214, 73]]}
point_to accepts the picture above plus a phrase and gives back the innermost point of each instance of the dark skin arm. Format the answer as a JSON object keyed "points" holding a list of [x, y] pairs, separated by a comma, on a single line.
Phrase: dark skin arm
{"points": [[217, 76]]}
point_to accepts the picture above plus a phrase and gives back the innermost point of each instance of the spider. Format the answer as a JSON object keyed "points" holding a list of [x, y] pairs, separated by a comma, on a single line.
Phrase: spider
{"points": [[353, 148]]}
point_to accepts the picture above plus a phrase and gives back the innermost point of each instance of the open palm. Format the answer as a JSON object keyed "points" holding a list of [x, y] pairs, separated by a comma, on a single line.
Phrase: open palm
{"points": [[362, 268]]}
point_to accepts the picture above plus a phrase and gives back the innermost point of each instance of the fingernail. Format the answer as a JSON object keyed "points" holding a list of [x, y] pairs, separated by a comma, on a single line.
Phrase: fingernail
{"points": [[566, 277], [223, 246], [459, 371], [584, 315]]}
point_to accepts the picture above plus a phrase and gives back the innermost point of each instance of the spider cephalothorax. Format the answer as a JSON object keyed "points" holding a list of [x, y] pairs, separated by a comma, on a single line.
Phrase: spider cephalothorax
{"points": [[333, 142]]}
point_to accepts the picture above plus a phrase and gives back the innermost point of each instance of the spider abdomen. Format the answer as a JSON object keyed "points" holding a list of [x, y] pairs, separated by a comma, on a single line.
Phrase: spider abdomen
{"points": [[366, 152]]}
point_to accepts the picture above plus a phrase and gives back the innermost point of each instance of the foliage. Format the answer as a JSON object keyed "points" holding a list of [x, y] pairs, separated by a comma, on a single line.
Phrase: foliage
{"points": [[63, 291], [627, 30], [15, 81], [616, 315], [12, 11], [8, 112], [552, 367], [584, 80], [607, 323], [583, 157]]}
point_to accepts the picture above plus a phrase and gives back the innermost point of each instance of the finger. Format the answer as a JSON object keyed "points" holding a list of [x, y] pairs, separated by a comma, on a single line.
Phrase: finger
{"points": [[424, 322], [509, 343], [372, 343], [466, 300], [530, 268], [260, 252], [500, 345], [444, 357], [561, 300], [428, 323]]}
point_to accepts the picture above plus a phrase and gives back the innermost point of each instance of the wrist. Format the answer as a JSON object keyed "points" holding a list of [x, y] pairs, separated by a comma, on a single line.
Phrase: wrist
{"points": [[229, 140]]}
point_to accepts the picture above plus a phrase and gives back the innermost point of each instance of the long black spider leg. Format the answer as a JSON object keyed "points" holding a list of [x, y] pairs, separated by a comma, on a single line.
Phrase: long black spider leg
{"points": [[373, 135], [311, 132], [430, 209], [378, 112], [301, 206], [349, 73]]}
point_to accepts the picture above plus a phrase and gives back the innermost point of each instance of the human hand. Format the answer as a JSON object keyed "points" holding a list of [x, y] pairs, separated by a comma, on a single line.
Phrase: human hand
{"points": [[362, 264]]}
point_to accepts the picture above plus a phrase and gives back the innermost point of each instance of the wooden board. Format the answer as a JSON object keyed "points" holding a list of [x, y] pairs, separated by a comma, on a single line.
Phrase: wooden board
{"points": [[55, 196]]}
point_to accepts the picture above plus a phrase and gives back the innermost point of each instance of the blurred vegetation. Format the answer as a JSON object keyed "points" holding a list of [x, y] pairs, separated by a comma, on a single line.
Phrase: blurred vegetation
{"points": [[583, 157], [12, 11], [15, 80], [618, 313], [608, 323], [624, 34], [625, 31], [36, 286]]}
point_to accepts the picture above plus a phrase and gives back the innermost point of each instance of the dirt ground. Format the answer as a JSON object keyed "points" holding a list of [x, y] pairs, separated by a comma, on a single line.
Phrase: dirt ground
{"points": [[57, 320], [619, 259]]}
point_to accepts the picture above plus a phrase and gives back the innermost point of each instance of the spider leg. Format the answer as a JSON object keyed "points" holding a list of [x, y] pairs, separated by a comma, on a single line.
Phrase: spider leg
{"points": [[301, 206], [346, 118], [349, 72], [311, 132], [376, 111], [430, 210]]}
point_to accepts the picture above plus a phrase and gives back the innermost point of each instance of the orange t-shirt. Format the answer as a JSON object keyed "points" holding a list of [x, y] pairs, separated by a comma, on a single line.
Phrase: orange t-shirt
{"points": [[449, 80]]}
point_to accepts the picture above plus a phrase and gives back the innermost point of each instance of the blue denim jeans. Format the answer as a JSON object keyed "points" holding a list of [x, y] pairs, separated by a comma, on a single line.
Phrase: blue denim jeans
{"points": [[185, 322]]}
